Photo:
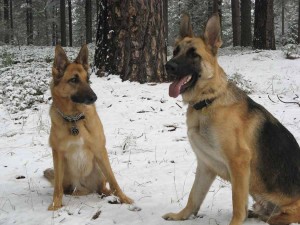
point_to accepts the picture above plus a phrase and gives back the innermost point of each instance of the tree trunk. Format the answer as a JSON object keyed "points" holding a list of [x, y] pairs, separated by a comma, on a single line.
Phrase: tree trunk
{"points": [[53, 27], [6, 21], [219, 10], [97, 10], [70, 23], [130, 40], [11, 30], [29, 22], [47, 25], [236, 26], [299, 23], [264, 37], [213, 6], [63, 32], [246, 35], [165, 13], [282, 17], [1, 21], [105, 40], [88, 21]]}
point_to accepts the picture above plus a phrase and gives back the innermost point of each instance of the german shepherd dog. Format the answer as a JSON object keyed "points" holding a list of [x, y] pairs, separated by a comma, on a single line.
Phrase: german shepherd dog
{"points": [[232, 136], [80, 159]]}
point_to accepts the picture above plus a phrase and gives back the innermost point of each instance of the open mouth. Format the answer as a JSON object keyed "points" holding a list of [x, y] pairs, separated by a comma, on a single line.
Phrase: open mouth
{"points": [[181, 85]]}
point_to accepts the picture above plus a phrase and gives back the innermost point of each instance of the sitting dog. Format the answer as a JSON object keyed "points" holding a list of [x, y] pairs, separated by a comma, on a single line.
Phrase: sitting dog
{"points": [[232, 136], [80, 159]]}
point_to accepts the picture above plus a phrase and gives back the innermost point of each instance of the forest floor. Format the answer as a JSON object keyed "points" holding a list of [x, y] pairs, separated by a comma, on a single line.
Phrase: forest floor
{"points": [[146, 140]]}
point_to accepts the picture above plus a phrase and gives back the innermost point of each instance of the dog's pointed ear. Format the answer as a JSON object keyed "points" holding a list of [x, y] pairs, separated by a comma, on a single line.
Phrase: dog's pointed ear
{"points": [[212, 34], [83, 57], [186, 29], [60, 62]]}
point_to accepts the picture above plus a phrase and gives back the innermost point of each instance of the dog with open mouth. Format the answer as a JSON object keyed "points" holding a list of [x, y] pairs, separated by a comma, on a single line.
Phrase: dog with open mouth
{"points": [[233, 137]]}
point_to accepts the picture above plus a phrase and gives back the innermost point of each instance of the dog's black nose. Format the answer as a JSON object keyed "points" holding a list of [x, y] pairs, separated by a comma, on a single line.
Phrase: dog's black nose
{"points": [[171, 67], [90, 99], [93, 98]]}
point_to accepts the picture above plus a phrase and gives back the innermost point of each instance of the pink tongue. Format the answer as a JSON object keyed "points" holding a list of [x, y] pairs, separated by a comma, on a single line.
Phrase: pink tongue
{"points": [[174, 88]]}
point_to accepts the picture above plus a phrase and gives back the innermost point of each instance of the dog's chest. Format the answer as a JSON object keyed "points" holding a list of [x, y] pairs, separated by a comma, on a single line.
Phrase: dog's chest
{"points": [[206, 145], [80, 161]]}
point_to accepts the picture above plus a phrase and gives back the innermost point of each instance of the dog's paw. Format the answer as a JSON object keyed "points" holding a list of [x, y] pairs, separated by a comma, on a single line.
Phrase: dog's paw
{"points": [[125, 199], [174, 216], [54, 207], [289, 209], [281, 219], [80, 192]]}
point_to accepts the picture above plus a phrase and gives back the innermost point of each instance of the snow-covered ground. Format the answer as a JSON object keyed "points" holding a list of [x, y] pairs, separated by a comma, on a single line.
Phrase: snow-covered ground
{"points": [[146, 140]]}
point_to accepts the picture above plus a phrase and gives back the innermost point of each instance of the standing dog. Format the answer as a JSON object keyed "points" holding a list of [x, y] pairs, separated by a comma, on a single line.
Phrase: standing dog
{"points": [[232, 136], [81, 163]]}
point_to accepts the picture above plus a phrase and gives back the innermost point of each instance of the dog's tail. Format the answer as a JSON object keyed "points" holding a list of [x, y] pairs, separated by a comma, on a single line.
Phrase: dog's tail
{"points": [[49, 175]]}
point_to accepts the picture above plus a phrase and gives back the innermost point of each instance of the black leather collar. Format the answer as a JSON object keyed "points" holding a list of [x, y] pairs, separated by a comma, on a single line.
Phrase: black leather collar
{"points": [[202, 104]]}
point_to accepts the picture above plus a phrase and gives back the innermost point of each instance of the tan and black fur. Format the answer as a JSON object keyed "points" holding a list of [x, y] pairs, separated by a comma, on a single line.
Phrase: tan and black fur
{"points": [[233, 137], [81, 164]]}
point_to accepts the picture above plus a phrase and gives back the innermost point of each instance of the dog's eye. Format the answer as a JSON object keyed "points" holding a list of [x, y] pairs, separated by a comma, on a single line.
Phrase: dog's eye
{"points": [[176, 51], [74, 80], [192, 53]]}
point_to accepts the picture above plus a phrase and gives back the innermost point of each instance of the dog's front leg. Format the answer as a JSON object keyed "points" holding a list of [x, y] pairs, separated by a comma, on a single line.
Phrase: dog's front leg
{"points": [[58, 180], [104, 164], [240, 175], [203, 180]]}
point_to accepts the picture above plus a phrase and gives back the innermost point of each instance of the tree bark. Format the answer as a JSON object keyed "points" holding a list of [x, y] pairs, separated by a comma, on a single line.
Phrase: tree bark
{"points": [[165, 13], [106, 42], [130, 40], [47, 25], [88, 21], [70, 23], [1, 21], [236, 26], [213, 7], [282, 17], [219, 10], [264, 37], [6, 21], [11, 28], [299, 23], [97, 9], [53, 27], [63, 32], [246, 35], [29, 19]]}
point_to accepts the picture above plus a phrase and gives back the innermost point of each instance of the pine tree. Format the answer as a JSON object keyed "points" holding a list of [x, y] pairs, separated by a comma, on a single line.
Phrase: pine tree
{"points": [[236, 26], [136, 49], [246, 35], [11, 25], [54, 26], [299, 22], [63, 32], [29, 22], [88, 21], [264, 37], [70, 23], [6, 21]]}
